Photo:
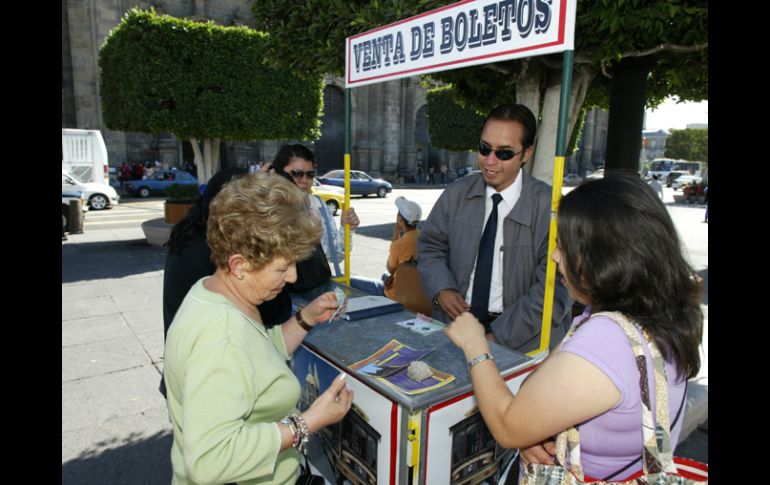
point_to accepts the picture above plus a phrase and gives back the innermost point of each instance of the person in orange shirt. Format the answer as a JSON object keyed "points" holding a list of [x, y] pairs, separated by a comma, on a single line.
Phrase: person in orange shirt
{"points": [[403, 248]]}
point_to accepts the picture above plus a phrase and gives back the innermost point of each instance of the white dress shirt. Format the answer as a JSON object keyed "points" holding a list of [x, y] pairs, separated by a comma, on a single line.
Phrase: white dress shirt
{"points": [[510, 197]]}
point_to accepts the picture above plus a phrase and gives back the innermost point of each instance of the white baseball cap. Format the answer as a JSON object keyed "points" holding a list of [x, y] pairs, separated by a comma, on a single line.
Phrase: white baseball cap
{"points": [[410, 211]]}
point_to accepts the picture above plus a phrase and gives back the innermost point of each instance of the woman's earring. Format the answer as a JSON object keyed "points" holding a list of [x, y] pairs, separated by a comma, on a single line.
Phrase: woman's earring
{"points": [[239, 276]]}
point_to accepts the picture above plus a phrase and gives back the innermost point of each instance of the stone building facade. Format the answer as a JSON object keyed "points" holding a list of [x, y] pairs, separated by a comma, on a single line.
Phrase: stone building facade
{"points": [[592, 145], [653, 144], [389, 129]]}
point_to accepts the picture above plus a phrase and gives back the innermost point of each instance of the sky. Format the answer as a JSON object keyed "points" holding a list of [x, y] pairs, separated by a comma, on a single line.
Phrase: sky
{"points": [[672, 115]]}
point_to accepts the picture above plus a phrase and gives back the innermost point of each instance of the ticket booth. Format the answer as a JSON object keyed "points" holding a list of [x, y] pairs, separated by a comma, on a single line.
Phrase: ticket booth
{"points": [[436, 436], [389, 436]]}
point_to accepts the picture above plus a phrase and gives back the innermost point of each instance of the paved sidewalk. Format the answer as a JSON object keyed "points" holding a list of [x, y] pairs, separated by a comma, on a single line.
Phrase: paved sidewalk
{"points": [[115, 426]]}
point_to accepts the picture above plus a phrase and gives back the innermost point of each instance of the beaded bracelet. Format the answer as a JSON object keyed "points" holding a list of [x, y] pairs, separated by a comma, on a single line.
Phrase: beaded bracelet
{"points": [[293, 428], [304, 432]]}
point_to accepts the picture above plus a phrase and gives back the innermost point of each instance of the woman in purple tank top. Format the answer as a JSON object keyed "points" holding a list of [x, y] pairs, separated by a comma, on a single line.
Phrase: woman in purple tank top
{"points": [[617, 251]]}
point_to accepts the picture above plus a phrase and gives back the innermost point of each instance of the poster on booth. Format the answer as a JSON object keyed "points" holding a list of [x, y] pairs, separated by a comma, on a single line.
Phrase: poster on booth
{"points": [[457, 435], [463, 34], [359, 448]]}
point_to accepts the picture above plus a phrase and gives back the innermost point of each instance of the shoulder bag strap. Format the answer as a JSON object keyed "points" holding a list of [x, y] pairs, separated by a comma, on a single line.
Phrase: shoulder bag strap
{"points": [[656, 450], [571, 439], [632, 463]]}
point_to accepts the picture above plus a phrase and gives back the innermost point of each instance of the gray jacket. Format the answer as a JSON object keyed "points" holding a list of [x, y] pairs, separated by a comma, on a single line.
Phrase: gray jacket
{"points": [[449, 241]]}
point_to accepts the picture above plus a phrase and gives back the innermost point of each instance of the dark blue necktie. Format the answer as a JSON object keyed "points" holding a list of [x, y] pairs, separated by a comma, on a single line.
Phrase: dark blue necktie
{"points": [[482, 278]]}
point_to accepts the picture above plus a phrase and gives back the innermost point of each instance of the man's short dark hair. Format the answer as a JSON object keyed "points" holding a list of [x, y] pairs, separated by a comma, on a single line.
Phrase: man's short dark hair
{"points": [[519, 113]]}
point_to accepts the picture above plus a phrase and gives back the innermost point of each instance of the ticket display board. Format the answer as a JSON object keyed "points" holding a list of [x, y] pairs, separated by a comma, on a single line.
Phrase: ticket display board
{"points": [[393, 435]]}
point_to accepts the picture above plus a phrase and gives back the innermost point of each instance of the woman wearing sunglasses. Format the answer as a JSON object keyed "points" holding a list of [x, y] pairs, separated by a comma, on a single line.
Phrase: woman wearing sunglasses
{"points": [[298, 162]]}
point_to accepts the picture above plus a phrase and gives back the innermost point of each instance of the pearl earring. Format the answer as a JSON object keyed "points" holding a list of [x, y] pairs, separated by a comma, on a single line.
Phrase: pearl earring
{"points": [[240, 276]]}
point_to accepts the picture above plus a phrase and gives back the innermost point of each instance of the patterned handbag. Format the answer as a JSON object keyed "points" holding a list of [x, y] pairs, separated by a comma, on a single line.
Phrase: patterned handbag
{"points": [[659, 467]]}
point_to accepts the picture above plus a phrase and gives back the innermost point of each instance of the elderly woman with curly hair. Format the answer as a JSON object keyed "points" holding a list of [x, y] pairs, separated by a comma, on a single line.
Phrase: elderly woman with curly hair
{"points": [[231, 397]]}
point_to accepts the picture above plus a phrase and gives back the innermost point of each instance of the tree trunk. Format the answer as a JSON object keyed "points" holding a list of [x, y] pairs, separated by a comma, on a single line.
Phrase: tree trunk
{"points": [[215, 153], [547, 131], [528, 88], [624, 130], [528, 94], [542, 164], [199, 163], [206, 159], [582, 77], [207, 162]]}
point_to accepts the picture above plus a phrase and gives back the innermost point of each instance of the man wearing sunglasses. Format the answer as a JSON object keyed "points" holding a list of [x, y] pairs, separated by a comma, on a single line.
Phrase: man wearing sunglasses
{"points": [[484, 246]]}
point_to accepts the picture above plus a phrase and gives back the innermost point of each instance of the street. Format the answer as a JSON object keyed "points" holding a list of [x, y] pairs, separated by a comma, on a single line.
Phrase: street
{"points": [[115, 426]]}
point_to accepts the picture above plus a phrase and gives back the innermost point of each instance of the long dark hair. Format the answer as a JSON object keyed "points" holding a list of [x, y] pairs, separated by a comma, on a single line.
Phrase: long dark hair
{"points": [[287, 152], [621, 249], [193, 226]]}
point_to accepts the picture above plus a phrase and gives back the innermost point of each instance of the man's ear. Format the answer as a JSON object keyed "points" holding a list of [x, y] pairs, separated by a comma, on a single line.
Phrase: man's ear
{"points": [[527, 155]]}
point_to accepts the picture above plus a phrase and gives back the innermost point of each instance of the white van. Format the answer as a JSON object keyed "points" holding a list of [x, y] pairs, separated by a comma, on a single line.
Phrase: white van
{"points": [[84, 155], [98, 196]]}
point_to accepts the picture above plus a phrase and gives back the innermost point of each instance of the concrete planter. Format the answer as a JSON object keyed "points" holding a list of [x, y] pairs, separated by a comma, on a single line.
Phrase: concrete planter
{"points": [[175, 211], [157, 231]]}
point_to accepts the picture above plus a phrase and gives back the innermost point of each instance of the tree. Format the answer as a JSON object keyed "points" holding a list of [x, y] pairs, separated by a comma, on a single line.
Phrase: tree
{"points": [[672, 34], [451, 126], [201, 81], [689, 144]]}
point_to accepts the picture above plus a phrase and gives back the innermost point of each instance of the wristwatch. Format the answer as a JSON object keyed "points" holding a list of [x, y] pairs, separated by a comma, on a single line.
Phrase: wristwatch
{"points": [[480, 358], [435, 298]]}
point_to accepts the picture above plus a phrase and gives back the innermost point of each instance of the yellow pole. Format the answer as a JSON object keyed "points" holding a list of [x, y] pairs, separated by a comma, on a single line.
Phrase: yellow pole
{"points": [[550, 269], [346, 204]]}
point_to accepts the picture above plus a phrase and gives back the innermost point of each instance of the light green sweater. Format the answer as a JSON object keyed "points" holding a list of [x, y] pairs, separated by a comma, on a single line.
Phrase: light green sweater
{"points": [[228, 385]]}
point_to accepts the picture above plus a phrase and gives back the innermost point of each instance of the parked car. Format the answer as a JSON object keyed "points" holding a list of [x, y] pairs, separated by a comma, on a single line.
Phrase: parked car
{"points": [[66, 197], [672, 176], [571, 180], [332, 196], [97, 196], [159, 182], [599, 173], [683, 180], [360, 183]]}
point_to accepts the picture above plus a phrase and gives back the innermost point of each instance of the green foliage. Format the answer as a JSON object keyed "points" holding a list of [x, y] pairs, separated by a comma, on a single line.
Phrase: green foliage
{"points": [[321, 26], [182, 193], [451, 125], [605, 30], [689, 144], [164, 74]]}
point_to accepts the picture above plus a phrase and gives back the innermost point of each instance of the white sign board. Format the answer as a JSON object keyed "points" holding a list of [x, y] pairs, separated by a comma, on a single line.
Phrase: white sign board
{"points": [[463, 34]]}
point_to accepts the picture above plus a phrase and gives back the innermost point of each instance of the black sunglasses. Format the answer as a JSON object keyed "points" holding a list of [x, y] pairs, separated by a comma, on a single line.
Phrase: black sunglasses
{"points": [[485, 150], [299, 173]]}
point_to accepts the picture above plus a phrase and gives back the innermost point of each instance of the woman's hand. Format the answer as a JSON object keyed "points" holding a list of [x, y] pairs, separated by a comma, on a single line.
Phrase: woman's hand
{"points": [[349, 217], [321, 309], [542, 453], [331, 406], [467, 333]]}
